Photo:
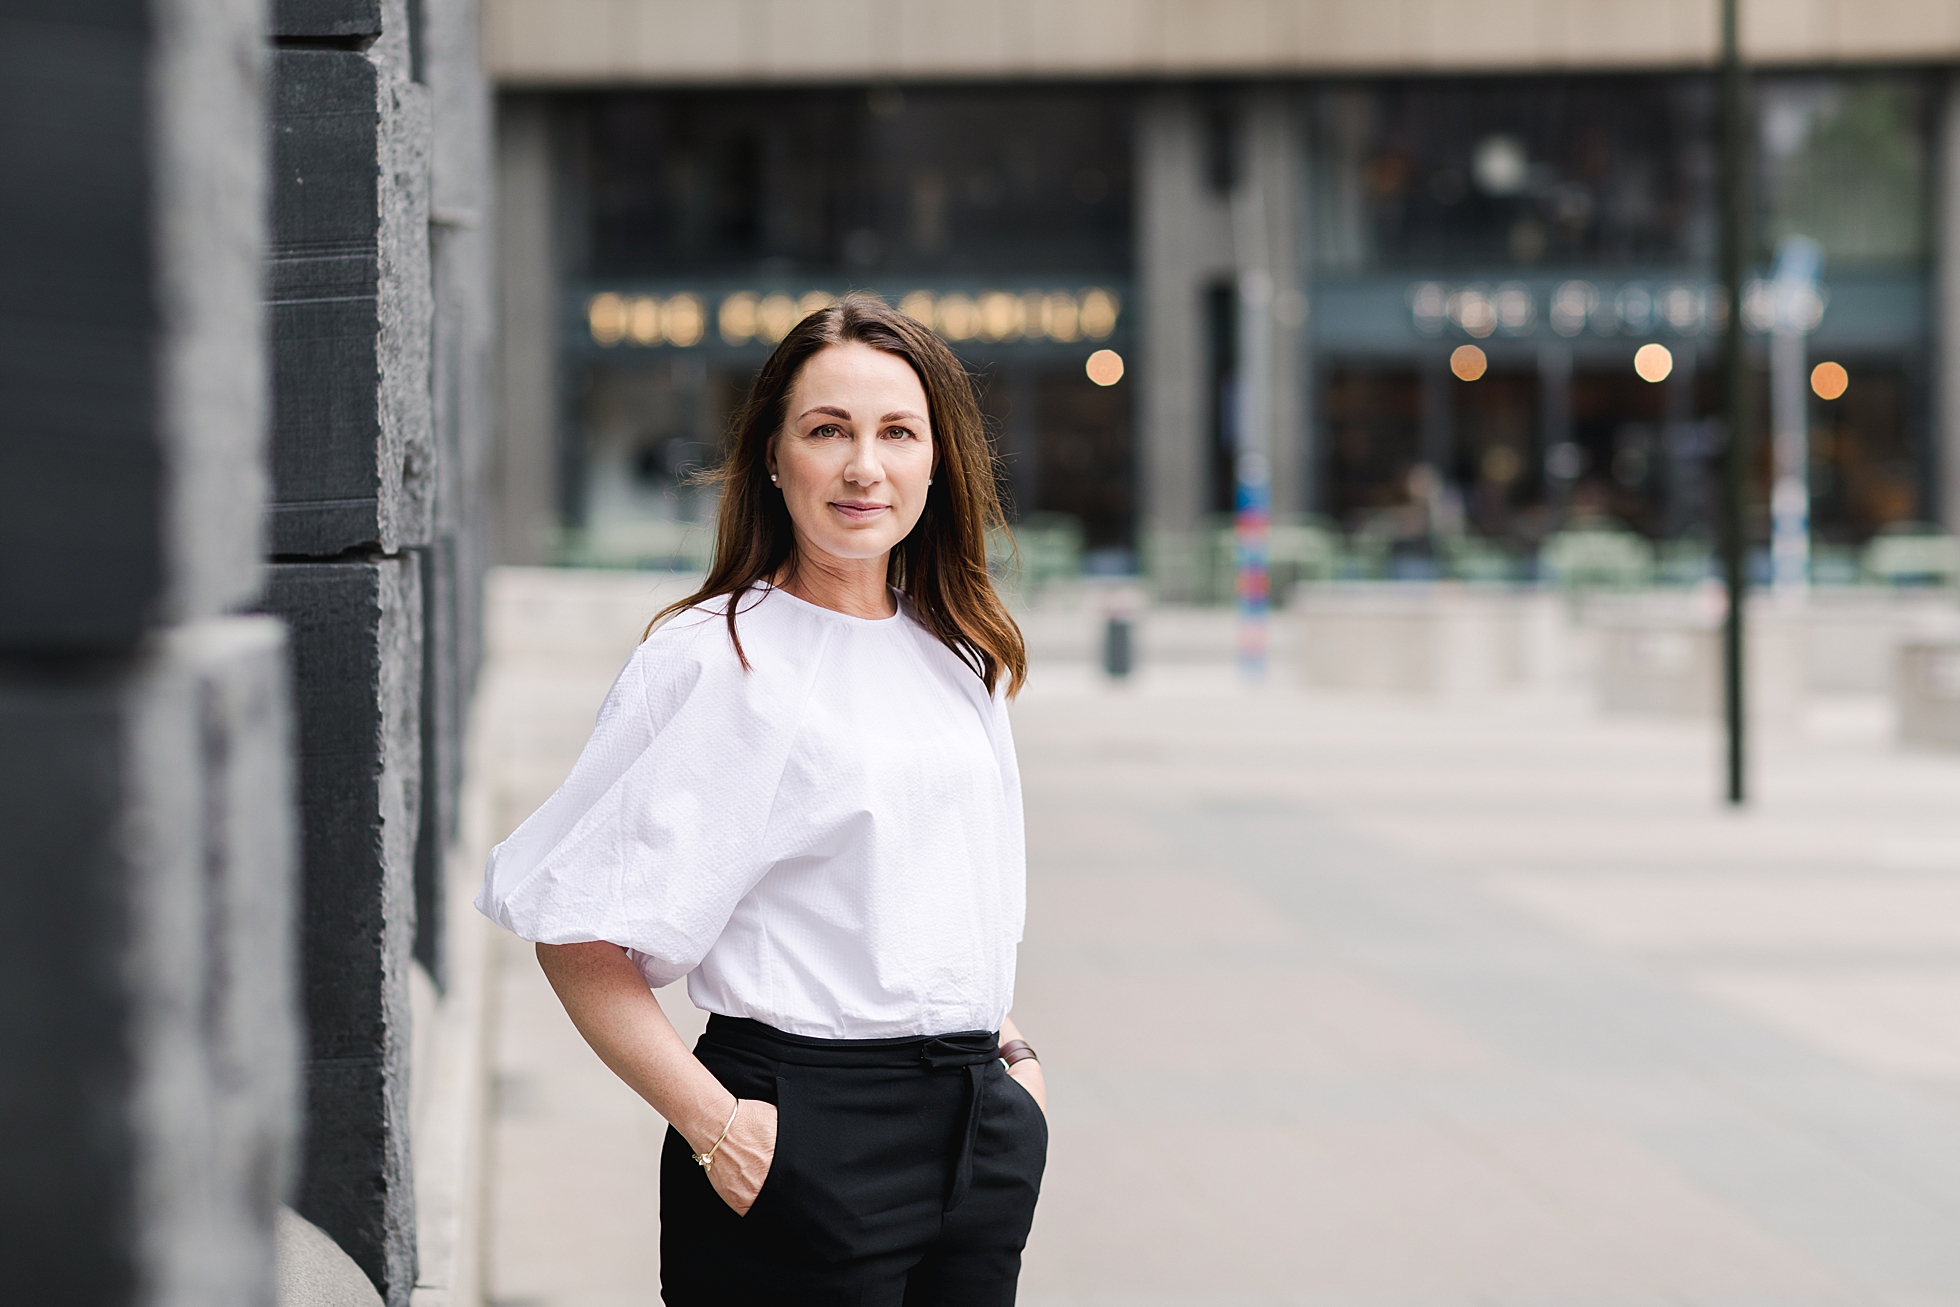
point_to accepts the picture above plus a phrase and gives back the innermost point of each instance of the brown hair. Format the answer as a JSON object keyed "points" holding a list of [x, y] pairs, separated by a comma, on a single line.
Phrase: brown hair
{"points": [[941, 566]]}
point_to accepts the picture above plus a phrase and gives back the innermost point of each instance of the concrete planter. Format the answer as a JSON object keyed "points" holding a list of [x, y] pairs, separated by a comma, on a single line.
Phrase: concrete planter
{"points": [[1928, 692], [1442, 640], [1662, 656]]}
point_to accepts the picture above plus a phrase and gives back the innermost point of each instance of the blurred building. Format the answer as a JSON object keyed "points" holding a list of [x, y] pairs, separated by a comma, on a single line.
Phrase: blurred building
{"points": [[1374, 186]]}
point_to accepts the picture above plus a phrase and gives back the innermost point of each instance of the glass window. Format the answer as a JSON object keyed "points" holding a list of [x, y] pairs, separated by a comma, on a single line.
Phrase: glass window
{"points": [[1843, 161]]}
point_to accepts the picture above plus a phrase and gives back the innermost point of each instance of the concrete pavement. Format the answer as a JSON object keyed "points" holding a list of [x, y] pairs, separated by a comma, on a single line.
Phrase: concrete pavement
{"points": [[1361, 1001]]}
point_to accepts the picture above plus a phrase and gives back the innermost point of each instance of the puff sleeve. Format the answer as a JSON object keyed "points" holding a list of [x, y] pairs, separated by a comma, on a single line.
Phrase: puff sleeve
{"points": [[659, 831]]}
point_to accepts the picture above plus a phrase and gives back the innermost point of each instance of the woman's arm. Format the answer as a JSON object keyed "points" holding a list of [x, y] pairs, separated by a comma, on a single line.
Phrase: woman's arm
{"points": [[608, 1000], [1028, 1069]]}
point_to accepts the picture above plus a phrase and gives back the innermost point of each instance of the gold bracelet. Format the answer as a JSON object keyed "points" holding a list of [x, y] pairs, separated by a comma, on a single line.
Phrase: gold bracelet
{"points": [[707, 1159]]}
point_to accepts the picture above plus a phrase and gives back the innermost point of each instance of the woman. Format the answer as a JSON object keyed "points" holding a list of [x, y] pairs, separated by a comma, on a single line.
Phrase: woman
{"points": [[801, 794]]}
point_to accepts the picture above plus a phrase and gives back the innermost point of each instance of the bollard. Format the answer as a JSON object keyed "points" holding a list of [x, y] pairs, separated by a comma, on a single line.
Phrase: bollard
{"points": [[1118, 647]]}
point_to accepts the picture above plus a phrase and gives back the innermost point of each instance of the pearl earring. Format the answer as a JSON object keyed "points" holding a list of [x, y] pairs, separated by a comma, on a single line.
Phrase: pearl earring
{"points": [[772, 478]]}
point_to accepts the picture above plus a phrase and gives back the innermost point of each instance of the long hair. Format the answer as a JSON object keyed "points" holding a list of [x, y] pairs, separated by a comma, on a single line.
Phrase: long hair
{"points": [[941, 566]]}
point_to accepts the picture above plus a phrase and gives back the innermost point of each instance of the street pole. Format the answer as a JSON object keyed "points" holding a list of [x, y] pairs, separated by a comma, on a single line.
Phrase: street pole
{"points": [[1253, 448], [1737, 239]]}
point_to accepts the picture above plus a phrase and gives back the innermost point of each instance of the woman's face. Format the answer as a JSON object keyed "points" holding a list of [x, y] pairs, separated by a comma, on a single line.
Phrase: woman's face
{"points": [[855, 457]]}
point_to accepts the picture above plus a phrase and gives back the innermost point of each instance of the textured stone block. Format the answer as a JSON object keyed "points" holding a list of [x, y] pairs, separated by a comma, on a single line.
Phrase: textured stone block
{"points": [[352, 449], [131, 137], [442, 744], [356, 634], [147, 1102], [326, 18]]}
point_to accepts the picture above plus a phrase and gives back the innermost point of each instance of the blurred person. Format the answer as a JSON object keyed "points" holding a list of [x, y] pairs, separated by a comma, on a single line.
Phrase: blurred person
{"points": [[802, 795]]}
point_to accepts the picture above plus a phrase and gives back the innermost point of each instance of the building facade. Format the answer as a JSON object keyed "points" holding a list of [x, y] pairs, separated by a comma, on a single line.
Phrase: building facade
{"points": [[1418, 248]]}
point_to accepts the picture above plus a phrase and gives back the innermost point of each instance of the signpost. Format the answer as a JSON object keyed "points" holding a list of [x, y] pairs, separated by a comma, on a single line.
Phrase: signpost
{"points": [[1738, 235], [1252, 460]]}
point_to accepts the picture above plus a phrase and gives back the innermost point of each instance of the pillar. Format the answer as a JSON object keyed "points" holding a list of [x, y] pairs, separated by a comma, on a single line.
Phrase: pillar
{"points": [[1274, 148], [1945, 505], [148, 1089], [1183, 243], [356, 532], [527, 462]]}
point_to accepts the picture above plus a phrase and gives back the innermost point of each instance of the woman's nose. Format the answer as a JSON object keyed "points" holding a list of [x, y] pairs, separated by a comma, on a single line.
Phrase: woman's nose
{"points": [[864, 468]]}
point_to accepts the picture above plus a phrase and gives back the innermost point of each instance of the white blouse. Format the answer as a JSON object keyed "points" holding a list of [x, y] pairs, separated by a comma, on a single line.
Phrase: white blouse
{"points": [[830, 843]]}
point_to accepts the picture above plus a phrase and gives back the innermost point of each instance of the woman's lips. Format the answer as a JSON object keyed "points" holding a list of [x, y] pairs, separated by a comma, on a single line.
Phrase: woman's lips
{"points": [[859, 510]]}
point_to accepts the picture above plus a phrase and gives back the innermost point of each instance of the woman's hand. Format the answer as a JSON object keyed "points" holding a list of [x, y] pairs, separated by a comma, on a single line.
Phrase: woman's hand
{"points": [[1027, 1073], [742, 1162], [609, 1002]]}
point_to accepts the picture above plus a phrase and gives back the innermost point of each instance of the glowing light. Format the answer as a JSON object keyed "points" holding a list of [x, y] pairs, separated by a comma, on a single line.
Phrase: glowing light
{"points": [[606, 315], [1468, 362], [812, 302], [737, 318], [1098, 314], [959, 319], [1500, 165], [1058, 317], [643, 320], [918, 306], [1471, 310], [775, 316], [1030, 315], [1000, 316], [1514, 307], [1829, 380], [1653, 362], [682, 320], [1105, 367], [1572, 304]]}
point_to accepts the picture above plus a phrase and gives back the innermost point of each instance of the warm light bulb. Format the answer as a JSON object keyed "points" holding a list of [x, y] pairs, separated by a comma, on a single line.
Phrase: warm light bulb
{"points": [[1653, 362], [1468, 362], [1829, 380], [1105, 367]]}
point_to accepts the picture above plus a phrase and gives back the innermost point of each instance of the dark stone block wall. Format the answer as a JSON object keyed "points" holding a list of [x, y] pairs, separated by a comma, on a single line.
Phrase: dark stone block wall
{"points": [[242, 355], [376, 332], [148, 1089], [356, 637]]}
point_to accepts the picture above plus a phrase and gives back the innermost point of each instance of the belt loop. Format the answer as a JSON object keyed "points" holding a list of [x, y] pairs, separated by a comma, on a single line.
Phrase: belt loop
{"points": [[963, 1167]]}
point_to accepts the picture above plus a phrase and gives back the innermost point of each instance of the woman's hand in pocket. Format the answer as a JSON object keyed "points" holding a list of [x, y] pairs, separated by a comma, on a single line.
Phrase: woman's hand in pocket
{"points": [[742, 1162], [1027, 1074]]}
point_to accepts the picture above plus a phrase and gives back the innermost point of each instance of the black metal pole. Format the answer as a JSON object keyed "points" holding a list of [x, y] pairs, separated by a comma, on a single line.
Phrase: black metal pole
{"points": [[1738, 237]]}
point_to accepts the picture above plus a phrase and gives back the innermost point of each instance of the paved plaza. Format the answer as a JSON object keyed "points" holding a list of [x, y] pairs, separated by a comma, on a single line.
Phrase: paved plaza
{"points": [[1372, 1002]]}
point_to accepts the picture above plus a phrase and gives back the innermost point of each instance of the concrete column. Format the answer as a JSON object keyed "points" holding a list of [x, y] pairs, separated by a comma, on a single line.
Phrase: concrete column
{"points": [[147, 1091], [526, 475], [1274, 166], [366, 505], [1183, 241], [1946, 325], [356, 653], [354, 453]]}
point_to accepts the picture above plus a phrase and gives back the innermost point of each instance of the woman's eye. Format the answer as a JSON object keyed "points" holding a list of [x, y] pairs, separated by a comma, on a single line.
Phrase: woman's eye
{"points": [[900, 433], [826, 431]]}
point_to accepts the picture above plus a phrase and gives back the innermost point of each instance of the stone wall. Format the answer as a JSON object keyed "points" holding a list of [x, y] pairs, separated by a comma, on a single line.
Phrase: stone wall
{"points": [[148, 1091], [379, 333], [244, 332]]}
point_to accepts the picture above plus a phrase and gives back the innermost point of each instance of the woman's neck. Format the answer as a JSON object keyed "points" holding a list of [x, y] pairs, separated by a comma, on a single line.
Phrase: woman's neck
{"points": [[853, 586]]}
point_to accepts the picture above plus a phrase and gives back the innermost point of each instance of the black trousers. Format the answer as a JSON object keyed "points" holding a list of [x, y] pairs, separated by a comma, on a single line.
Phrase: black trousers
{"points": [[905, 1175]]}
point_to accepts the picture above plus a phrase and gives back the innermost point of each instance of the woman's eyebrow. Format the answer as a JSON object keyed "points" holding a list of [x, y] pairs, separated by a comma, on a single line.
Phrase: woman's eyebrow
{"points": [[901, 414], [828, 409]]}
